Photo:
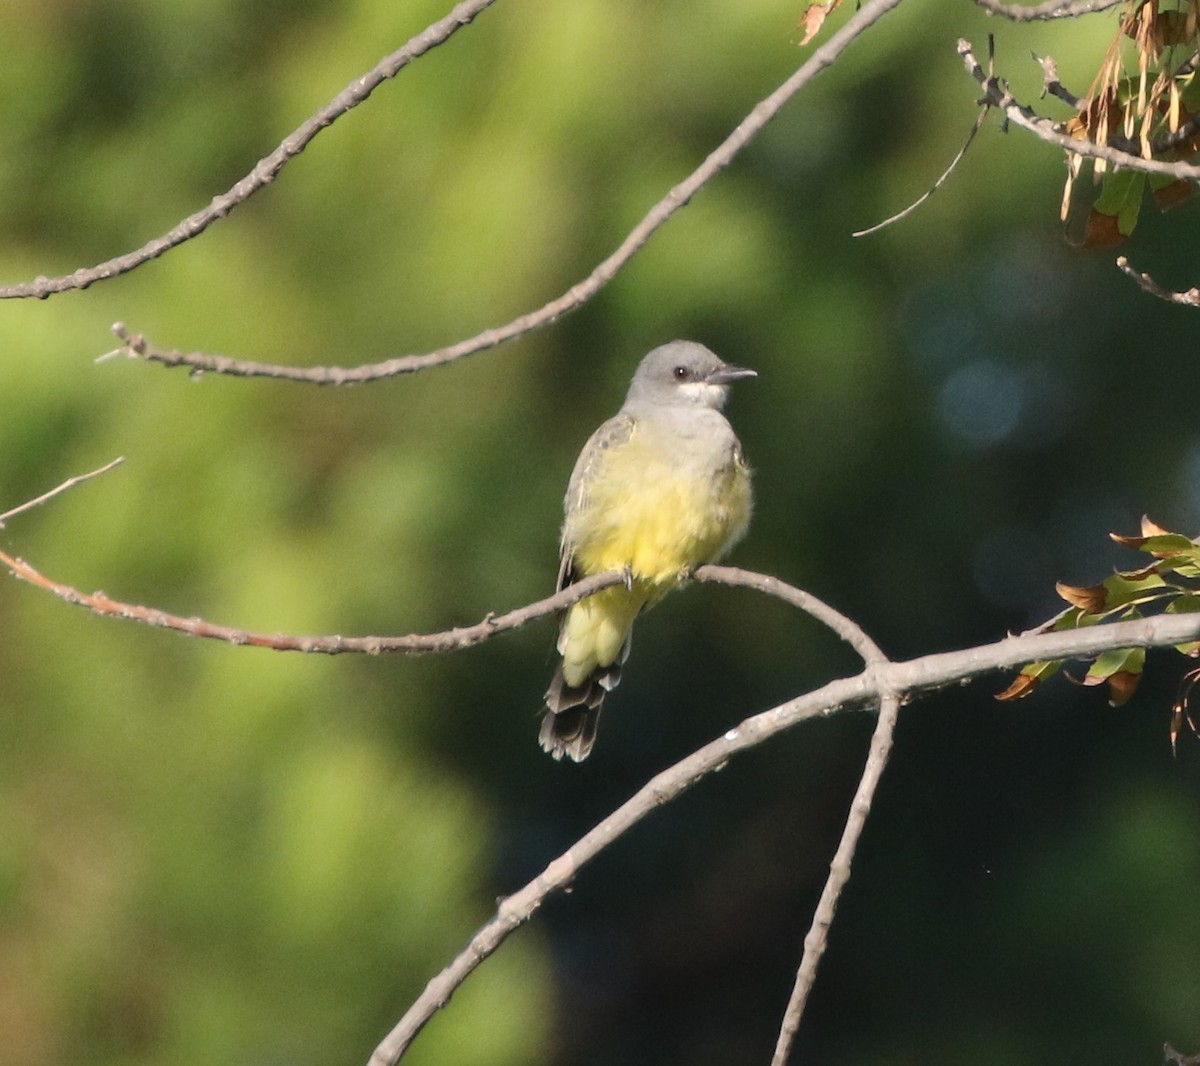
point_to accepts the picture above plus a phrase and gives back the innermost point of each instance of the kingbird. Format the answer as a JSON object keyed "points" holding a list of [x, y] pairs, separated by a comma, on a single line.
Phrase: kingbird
{"points": [[658, 490]]}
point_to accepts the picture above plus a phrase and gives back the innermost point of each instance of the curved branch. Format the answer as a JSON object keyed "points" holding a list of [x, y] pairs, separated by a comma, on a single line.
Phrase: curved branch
{"points": [[136, 346], [412, 644], [878, 683], [266, 170], [1051, 9], [415, 644]]}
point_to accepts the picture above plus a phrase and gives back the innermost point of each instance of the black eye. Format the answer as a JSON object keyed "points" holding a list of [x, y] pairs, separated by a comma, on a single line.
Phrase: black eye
{"points": [[681, 373]]}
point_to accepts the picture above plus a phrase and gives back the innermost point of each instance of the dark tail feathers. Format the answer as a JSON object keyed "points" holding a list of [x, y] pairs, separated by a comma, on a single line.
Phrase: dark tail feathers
{"points": [[573, 712]]}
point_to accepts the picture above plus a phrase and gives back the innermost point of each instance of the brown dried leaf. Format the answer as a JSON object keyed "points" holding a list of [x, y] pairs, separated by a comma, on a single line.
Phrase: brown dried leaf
{"points": [[1141, 574], [1031, 675], [814, 18], [1101, 231], [1022, 685], [1090, 599], [1178, 192], [1150, 528], [1171, 27], [1121, 687]]}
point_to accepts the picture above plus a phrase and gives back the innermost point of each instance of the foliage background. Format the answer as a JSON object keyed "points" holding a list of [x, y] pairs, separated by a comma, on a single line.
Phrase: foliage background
{"points": [[211, 855]]}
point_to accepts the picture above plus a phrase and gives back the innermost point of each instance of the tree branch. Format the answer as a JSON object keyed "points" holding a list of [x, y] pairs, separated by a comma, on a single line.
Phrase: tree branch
{"points": [[266, 170], [70, 483], [996, 95], [136, 346], [839, 873], [877, 683], [1190, 298], [412, 644], [416, 644], [882, 683], [1051, 9]]}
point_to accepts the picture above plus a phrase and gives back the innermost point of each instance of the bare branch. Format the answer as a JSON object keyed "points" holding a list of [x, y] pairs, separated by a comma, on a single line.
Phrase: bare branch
{"points": [[882, 683], [1051, 9], [1190, 298], [136, 346], [70, 483], [266, 170], [996, 94], [412, 644], [877, 683], [1052, 86], [934, 188], [839, 873], [418, 643]]}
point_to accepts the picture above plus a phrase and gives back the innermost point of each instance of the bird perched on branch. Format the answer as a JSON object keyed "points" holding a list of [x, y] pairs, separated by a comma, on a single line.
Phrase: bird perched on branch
{"points": [[658, 490]]}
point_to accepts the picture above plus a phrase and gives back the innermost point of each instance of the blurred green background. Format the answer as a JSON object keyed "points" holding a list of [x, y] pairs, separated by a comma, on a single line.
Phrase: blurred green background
{"points": [[227, 856]]}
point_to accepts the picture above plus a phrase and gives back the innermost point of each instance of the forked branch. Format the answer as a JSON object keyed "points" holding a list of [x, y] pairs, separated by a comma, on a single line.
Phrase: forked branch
{"points": [[577, 295], [882, 683], [997, 95], [886, 684]]}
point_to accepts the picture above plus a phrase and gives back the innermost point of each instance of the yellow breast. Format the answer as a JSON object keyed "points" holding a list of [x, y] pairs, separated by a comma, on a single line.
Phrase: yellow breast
{"points": [[661, 511]]}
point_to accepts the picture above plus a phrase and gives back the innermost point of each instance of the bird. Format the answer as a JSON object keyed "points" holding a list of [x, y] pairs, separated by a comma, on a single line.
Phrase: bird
{"points": [[659, 489]]}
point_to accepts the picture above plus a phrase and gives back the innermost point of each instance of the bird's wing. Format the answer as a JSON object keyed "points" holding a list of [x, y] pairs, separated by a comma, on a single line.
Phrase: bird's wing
{"points": [[616, 431]]}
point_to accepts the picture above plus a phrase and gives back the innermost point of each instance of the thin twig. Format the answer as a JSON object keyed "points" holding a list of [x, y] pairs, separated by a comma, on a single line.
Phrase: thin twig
{"points": [[1052, 86], [1051, 9], [70, 483], [267, 169], [1190, 298], [817, 938], [875, 684], [936, 185], [136, 346]]}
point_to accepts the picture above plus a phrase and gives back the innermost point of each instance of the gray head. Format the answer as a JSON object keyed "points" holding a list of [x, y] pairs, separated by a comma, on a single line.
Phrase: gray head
{"points": [[683, 374]]}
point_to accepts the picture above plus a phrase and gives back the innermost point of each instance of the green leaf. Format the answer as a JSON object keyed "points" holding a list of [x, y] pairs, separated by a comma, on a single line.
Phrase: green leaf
{"points": [[1121, 670], [1121, 591], [1121, 197], [1119, 660], [1163, 544]]}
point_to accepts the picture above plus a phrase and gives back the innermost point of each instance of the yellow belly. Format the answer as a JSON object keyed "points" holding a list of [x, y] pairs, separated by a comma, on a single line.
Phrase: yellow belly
{"points": [[644, 515], [647, 516]]}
